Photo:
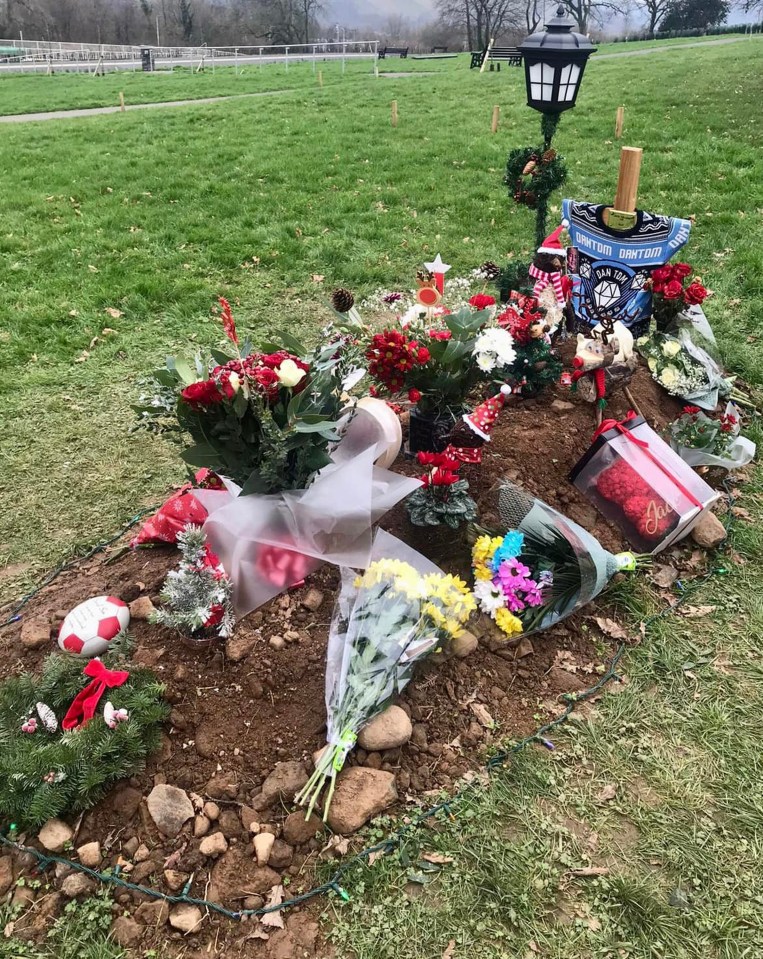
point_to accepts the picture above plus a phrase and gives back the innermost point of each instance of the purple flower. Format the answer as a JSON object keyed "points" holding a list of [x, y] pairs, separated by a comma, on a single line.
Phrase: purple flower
{"points": [[392, 297], [533, 595]]}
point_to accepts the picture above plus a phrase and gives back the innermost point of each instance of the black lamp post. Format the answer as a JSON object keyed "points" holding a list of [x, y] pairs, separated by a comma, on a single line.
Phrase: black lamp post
{"points": [[554, 63]]}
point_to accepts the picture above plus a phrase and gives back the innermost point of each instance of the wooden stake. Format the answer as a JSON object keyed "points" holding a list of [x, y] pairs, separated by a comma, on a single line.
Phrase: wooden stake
{"points": [[394, 113], [622, 215], [121, 102], [619, 122], [496, 114], [487, 54], [320, 79]]}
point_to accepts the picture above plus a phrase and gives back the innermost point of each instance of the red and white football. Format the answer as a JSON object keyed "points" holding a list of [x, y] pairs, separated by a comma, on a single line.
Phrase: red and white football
{"points": [[90, 627]]}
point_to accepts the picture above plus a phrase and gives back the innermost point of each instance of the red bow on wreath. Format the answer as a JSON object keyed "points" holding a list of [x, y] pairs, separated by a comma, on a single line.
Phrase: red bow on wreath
{"points": [[85, 703]]}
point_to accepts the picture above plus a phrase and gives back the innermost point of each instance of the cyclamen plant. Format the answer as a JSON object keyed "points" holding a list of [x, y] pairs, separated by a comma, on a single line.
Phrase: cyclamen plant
{"points": [[672, 292], [696, 430], [444, 498]]}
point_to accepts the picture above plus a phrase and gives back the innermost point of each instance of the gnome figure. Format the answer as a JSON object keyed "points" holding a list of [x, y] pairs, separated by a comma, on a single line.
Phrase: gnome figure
{"points": [[482, 419], [549, 265]]}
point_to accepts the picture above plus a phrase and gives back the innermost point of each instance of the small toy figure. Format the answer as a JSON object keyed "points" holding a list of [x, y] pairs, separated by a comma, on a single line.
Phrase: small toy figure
{"points": [[549, 266], [604, 363]]}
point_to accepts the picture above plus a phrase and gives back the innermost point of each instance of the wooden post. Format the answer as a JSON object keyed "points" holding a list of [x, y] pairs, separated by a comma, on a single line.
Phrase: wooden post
{"points": [[619, 122], [487, 54], [320, 78], [394, 113], [121, 102], [496, 114], [622, 215]]}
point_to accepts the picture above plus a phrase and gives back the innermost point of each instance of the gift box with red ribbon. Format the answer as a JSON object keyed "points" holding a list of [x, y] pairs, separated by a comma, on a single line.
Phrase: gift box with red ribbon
{"points": [[639, 483]]}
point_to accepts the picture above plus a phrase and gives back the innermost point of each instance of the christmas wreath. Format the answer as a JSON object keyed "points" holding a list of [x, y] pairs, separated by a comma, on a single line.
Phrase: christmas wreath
{"points": [[69, 734], [532, 175]]}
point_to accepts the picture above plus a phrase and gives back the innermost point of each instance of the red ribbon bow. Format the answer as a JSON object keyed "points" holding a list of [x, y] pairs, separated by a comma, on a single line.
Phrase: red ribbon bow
{"points": [[85, 703], [644, 447]]}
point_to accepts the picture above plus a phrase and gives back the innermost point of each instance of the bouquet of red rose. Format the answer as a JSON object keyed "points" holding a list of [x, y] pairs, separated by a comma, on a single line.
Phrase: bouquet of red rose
{"points": [[263, 419], [673, 291]]}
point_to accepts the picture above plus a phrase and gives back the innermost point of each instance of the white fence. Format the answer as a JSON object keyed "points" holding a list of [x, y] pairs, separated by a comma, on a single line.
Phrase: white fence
{"points": [[48, 56]]}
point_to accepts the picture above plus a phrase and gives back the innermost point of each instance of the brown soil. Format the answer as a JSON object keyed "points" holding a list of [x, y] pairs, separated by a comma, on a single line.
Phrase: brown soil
{"points": [[235, 721]]}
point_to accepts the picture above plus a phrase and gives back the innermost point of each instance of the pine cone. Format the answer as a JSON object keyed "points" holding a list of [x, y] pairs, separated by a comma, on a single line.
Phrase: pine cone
{"points": [[548, 157], [490, 270], [342, 300]]}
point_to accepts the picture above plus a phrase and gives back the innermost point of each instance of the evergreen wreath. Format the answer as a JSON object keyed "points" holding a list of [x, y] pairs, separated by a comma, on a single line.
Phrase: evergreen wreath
{"points": [[514, 276], [50, 772], [532, 175]]}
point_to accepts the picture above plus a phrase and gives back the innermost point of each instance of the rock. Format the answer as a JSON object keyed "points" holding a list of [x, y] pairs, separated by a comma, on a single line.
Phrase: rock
{"points": [[373, 761], [222, 786], [214, 845], [254, 902], [170, 808], [175, 880], [125, 802], [206, 741], [211, 811], [283, 784], [561, 405], [360, 795], [126, 931], [313, 601], [281, 855], [230, 824], [154, 913], [564, 682], [141, 608], [525, 648], [419, 736], [463, 645], [239, 646], [263, 843], [250, 819], [236, 874], [143, 870], [6, 874], [35, 633], [186, 918], [142, 853], [201, 826], [297, 830], [389, 729], [54, 835], [77, 884], [131, 846], [90, 855], [277, 642], [709, 531]]}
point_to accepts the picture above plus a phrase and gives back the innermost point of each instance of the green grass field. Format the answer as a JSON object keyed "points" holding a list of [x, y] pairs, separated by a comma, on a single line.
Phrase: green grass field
{"points": [[152, 214]]}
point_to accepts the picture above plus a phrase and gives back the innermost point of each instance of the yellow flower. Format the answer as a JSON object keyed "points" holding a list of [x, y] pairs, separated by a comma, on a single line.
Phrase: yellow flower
{"points": [[508, 622], [484, 548], [482, 572]]}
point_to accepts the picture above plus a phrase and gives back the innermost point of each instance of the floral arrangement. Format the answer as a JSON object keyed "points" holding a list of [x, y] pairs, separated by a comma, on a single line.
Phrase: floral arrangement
{"points": [[494, 349], [673, 291], [386, 621], [672, 366], [444, 498], [263, 419], [535, 364], [197, 593], [702, 440], [457, 290]]}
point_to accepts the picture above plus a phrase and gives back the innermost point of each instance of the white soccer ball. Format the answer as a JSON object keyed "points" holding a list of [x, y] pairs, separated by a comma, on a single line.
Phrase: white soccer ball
{"points": [[90, 627]]}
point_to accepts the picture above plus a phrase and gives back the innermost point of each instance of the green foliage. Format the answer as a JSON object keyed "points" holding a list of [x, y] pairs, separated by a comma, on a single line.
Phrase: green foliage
{"points": [[81, 932], [86, 762], [442, 505], [537, 364], [694, 14]]}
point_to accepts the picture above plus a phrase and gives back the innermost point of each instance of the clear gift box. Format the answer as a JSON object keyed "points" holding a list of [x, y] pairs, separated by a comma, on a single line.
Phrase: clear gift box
{"points": [[641, 485]]}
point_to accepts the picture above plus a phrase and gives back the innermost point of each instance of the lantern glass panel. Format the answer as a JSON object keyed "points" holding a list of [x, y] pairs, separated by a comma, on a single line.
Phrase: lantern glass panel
{"points": [[542, 81], [568, 82]]}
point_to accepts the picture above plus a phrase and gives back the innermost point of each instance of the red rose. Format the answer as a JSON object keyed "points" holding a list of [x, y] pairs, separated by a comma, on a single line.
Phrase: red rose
{"points": [[680, 271], [662, 274], [414, 395], [440, 334], [423, 355], [695, 293], [482, 301], [203, 393], [673, 290]]}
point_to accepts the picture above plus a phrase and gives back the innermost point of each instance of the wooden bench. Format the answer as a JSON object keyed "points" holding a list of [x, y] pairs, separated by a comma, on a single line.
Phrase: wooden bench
{"points": [[401, 52], [439, 49], [497, 55]]}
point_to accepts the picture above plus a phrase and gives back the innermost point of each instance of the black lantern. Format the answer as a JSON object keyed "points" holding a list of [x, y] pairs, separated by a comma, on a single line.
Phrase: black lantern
{"points": [[554, 64]]}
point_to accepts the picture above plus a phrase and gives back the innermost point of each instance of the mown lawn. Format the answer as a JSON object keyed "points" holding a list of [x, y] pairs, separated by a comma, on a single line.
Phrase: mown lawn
{"points": [[153, 214]]}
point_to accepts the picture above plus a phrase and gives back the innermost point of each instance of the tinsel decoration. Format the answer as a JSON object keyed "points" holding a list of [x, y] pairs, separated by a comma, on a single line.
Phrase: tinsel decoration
{"points": [[198, 593], [342, 300], [49, 772]]}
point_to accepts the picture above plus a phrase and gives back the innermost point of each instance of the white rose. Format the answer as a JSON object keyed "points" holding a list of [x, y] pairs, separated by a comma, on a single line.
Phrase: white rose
{"points": [[669, 376], [652, 363], [671, 348], [289, 374], [234, 382]]}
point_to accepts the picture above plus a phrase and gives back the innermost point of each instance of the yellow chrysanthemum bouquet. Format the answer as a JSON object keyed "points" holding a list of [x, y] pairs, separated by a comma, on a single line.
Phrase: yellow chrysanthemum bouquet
{"points": [[388, 618]]}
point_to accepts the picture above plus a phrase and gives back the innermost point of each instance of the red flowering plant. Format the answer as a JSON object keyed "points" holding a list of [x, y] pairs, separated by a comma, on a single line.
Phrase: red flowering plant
{"points": [[673, 291], [695, 430], [535, 364], [444, 498], [265, 419], [434, 366]]}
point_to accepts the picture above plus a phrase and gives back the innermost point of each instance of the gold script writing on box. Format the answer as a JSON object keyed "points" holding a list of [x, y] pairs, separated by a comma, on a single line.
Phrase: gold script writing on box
{"points": [[654, 514]]}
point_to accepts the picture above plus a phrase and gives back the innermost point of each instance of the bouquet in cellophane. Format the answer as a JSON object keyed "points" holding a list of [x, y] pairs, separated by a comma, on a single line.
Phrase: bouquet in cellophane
{"points": [[387, 619], [542, 568]]}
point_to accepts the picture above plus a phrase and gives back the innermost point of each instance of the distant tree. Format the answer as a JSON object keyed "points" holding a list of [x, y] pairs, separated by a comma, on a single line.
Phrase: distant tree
{"points": [[533, 14], [655, 11], [185, 17], [587, 12], [695, 14]]}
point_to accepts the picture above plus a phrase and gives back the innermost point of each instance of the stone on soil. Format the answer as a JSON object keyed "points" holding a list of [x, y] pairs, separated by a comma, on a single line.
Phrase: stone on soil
{"points": [[186, 918], [175, 880], [54, 835], [281, 855], [238, 647], [388, 730], [141, 608], [313, 600], [463, 645], [153, 913], [360, 795], [126, 931], [35, 633], [283, 783], [263, 843], [200, 826], [90, 855], [77, 884], [211, 811], [214, 845], [709, 531], [297, 831], [170, 808]]}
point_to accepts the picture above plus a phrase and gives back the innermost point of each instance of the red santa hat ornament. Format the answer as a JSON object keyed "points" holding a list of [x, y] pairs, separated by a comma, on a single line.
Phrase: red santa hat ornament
{"points": [[482, 419], [553, 244]]}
